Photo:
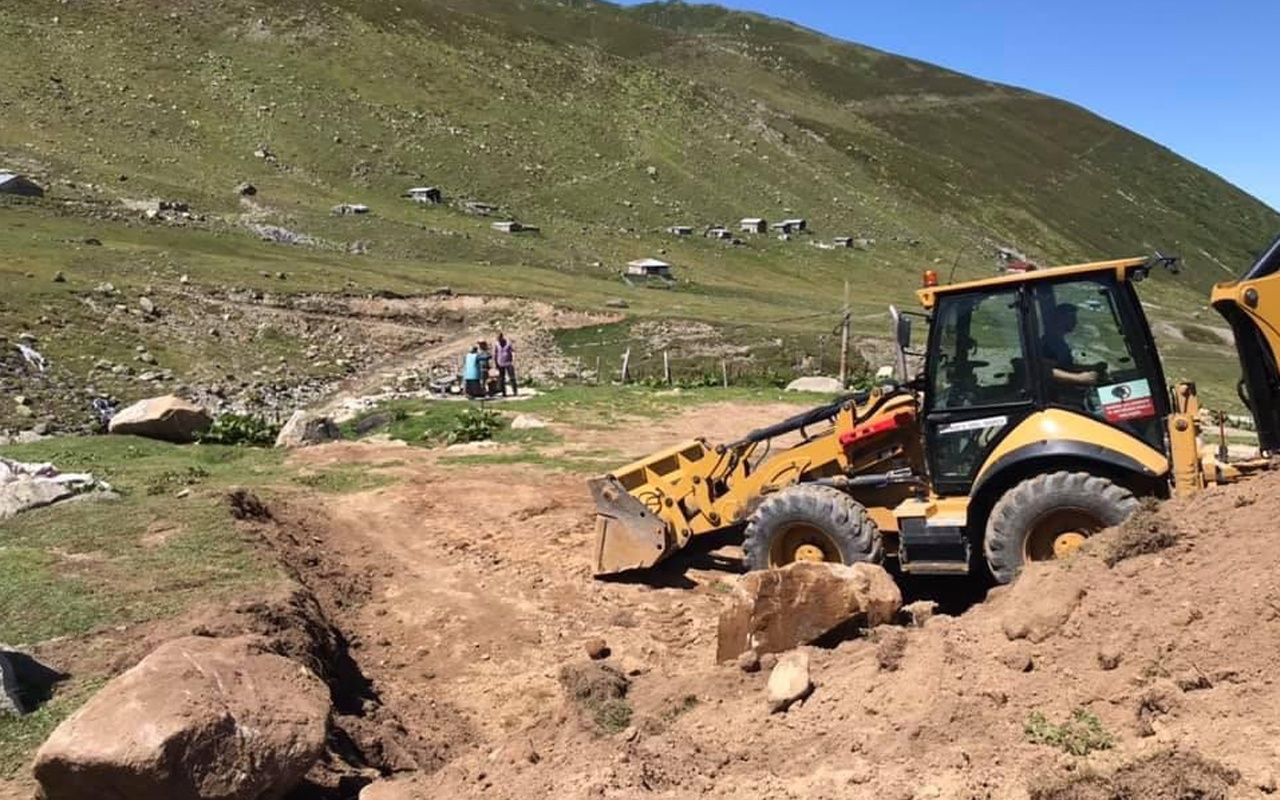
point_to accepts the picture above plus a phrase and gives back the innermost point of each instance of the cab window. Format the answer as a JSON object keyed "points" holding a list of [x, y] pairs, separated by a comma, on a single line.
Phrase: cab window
{"points": [[1091, 357], [979, 358]]}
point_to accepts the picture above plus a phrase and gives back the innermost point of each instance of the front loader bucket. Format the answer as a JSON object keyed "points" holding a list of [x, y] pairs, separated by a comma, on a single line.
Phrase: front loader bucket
{"points": [[628, 535]]}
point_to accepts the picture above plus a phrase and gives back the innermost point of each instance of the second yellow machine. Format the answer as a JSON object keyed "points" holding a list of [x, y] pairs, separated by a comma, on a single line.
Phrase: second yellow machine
{"points": [[1041, 415]]}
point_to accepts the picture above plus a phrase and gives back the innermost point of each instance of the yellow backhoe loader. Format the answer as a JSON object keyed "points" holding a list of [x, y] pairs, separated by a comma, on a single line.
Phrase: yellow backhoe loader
{"points": [[1039, 418]]}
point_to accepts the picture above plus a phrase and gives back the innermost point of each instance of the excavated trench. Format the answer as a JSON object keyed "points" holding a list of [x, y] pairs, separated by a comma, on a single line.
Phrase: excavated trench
{"points": [[368, 738]]}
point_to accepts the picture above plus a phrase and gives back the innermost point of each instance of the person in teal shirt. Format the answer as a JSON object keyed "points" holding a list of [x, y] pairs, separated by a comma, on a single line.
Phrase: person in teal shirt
{"points": [[472, 376]]}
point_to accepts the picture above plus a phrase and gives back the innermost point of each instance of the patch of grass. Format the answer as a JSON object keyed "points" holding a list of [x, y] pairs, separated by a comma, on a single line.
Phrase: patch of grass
{"points": [[601, 692], [1080, 735], [343, 479], [20, 736], [73, 567], [566, 463]]}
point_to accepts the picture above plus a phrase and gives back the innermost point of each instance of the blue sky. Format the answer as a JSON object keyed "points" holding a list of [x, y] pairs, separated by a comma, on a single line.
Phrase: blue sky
{"points": [[1198, 76]]}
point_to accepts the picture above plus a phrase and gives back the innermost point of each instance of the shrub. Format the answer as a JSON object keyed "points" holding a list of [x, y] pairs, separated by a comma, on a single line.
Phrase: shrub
{"points": [[475, 425], [1080, 735], [241, 429]]}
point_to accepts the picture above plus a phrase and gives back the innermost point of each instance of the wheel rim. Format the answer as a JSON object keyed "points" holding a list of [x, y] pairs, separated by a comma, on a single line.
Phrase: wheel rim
{"points": [[1059, 534], [801, 541]]}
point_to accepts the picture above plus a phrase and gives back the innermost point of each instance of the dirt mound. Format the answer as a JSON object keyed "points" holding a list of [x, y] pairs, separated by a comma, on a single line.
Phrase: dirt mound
{"points": [[1121, 673], [1185, 775]]}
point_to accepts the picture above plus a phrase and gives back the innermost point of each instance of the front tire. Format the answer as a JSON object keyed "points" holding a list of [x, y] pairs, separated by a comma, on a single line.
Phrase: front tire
{"points": [[1049, 516], [810, 523]]}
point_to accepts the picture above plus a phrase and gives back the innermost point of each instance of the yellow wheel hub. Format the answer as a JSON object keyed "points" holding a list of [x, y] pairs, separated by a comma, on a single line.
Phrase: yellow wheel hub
{"points": [[1064, 544], [809, 552]]}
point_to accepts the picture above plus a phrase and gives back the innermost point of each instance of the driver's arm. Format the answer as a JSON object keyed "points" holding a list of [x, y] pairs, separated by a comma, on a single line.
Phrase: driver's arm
{"points": [[1087, 378]]}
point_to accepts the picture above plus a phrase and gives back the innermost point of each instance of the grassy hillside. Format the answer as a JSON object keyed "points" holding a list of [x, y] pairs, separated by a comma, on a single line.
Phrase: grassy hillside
{"points": [[601, 125]]}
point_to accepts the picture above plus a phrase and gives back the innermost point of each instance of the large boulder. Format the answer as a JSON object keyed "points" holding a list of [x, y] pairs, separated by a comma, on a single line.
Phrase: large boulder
{"points": [[777, 610], [816, 384], [198, 719], [169, 418], [304, 429]]}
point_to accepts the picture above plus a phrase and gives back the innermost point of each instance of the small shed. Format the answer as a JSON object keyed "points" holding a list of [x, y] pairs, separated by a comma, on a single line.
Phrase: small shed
{"points": [[425, 194], [719, 233], [511, 226], [649, 268], [753, 225], [680, 230], [789, 226], [12, 183]]}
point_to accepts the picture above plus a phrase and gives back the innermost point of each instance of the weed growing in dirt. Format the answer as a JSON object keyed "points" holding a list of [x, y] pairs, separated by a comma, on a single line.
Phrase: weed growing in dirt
{"points": [[1080, 735], [682, 705], [600, 691]]}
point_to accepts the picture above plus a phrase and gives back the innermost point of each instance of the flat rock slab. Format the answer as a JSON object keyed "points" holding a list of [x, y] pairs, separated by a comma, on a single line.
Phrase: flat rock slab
{"points": [[773, 611], [198, 719], [25, 494]]}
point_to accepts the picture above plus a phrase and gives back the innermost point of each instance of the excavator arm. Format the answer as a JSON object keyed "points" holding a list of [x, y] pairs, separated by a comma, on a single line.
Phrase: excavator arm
{"points": [[1251, 307]]}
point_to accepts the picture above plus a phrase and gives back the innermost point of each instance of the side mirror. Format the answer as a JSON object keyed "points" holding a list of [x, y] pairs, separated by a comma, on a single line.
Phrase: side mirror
{"points": [[901, 329], [902, 337]]}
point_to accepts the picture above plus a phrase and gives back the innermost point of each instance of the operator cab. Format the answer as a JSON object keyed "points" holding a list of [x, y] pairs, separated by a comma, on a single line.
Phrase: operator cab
{"points": [[1071, 338]]}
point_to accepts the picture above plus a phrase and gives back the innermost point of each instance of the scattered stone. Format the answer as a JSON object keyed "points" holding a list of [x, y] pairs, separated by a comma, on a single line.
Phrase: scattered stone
{"points": [[93, 241], [1109, 657], [777, 610], [749, 662], [22, 400], [25, 683], [305, 429], [371, 423], [27, 338], [402, 788], [524, 422], [789, 682], [816, 384], [168, 418], [59, 277], [597, 649], [105, 288], [146, 358], [198, 718], [246, 190], [245, 505], [617, 304], [1018, 661], [919, 612], [148, 307]]}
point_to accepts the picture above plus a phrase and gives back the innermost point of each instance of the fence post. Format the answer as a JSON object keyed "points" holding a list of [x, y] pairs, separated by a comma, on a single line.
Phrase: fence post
{"points": [[598, 367], [666, 367], [626, 366], [724, 372]]}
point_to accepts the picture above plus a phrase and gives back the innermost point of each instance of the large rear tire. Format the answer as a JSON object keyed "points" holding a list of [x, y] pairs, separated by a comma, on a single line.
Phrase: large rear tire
{"points": [[810, 523], [1049, 516]]}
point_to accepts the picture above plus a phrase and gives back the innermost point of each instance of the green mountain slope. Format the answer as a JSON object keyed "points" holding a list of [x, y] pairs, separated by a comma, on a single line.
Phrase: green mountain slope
{"points": [[602, 125]]}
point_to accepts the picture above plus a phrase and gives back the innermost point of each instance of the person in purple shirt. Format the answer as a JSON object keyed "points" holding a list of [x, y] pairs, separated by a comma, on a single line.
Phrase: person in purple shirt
{"points": [[505, 357]]}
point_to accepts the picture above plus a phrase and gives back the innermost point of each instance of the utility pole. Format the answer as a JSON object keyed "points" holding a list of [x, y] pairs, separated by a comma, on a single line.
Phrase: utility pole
{"points": [[844, 338]]}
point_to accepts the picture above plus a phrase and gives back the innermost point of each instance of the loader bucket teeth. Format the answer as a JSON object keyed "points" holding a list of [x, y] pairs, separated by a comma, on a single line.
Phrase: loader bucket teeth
{"points": [[628, 535]]}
